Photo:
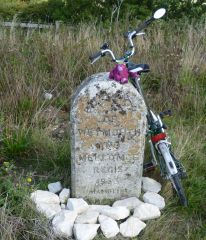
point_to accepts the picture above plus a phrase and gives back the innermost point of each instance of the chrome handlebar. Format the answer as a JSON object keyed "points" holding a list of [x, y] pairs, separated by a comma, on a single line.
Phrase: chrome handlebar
{"points": [[105, 49], [129, 35]]}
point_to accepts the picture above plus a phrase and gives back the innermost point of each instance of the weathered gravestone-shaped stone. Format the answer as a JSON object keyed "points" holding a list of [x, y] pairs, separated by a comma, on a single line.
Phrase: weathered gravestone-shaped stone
{"points": [[108, 134]]}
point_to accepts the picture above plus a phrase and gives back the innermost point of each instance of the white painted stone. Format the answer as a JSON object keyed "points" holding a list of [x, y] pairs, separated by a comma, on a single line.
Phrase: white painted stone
{"points": [[155, 199], [63, 206], [108, 125], [55, 187], [77, 204], [85, 231], [131, 227], [151, 185], [48, 96], [64, 195], [108, 226], [146, 211], [44, 197], [89, 217], [97, 208], [49, 210], [63, 223], [116, 213], [131, 203]]}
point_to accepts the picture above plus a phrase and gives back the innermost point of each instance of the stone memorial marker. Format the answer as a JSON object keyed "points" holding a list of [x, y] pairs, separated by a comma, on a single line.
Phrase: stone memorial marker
{"points": [[108, 134]]}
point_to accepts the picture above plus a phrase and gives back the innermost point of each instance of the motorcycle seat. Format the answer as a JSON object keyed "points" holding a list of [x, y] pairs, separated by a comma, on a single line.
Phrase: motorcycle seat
{"points": [[137, 68]]}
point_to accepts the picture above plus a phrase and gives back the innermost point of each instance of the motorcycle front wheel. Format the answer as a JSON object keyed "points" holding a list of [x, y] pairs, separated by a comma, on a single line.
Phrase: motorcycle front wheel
{"points": [[177, 185], [172, 173]]}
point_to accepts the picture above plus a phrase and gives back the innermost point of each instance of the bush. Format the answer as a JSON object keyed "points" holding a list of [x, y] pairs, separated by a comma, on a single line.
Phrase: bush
{"points": [[9, 9], [87, 10], [53, 10]]}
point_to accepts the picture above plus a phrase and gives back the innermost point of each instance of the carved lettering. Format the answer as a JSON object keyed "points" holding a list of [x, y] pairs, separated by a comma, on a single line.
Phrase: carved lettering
{"points": [[108, 119], [103, 181], [109, 190], [96, 132], [108, 127], [117, 157], [107, 145], [108, 169], [87, 157]]}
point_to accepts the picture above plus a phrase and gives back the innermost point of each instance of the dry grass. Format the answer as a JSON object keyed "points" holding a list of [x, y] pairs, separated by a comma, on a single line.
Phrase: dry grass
{"points": [[15, 227], [56, 61]]}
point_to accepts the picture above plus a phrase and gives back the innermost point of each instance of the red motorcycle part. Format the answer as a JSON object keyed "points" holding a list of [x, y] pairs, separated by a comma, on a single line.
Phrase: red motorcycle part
{"points": [[158, 137]]}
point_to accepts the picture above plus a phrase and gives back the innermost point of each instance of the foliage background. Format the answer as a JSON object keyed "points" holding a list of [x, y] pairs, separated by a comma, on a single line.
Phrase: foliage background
{"points": [[74, 11]]}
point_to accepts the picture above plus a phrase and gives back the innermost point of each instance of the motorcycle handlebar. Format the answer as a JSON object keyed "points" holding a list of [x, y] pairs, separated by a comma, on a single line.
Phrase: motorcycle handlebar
{"points": [[95, 56], [130, 36], [142, 26], [102, 53]]}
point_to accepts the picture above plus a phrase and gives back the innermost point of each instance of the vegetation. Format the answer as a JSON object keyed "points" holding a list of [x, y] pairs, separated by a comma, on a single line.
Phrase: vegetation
{"points": [[71, 11], [56, 61]]}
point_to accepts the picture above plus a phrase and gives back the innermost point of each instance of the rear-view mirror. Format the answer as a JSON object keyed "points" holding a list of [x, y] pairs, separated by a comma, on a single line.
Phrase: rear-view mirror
{"points": [[159, 13]]}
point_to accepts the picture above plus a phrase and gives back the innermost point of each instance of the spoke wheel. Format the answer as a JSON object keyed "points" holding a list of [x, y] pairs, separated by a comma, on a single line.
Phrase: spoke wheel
{"points": [[177, 185]]}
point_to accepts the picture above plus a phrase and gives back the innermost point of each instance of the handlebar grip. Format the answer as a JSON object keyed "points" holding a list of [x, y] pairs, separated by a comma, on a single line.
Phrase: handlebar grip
{"points": [[139, 29], [126, 34], [95, 56], [134, 36], [144, 24]]}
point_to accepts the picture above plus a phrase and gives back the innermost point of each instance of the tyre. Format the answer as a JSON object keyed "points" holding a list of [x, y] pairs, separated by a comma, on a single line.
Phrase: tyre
{"points": [[181, 170], [172, 172], [177, 185]]}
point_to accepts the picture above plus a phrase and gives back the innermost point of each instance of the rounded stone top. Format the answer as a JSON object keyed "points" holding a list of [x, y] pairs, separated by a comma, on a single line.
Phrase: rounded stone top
{"points": [[99, 83], [108, 125]]}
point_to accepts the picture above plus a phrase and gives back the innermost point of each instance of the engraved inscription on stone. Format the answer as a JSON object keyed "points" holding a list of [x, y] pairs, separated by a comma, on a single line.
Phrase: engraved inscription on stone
{"points": [[108, 133]]}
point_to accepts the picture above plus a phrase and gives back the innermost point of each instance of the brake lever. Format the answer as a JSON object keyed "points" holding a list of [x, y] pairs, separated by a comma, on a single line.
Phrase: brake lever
{"points": [[104, 46], [93, 61], [140, 33]]}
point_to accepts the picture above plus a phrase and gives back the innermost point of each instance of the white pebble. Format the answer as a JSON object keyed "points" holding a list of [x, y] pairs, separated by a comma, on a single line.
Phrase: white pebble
{"points": [[151, 185], [89, 217], [108, 226], [116, 213], [44, 197], [55, 187], [155, 199], [85, 231], [146, 211], [63, 223], [64, 195], [130, 203], [131, 227], [77, 204]]}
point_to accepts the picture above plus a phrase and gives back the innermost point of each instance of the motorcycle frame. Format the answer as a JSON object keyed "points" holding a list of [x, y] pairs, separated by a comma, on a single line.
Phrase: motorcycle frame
{"points": [[167, 166]]}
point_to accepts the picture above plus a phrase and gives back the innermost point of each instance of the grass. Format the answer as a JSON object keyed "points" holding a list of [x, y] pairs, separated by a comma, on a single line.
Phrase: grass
{"points": [[33, 62]]}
